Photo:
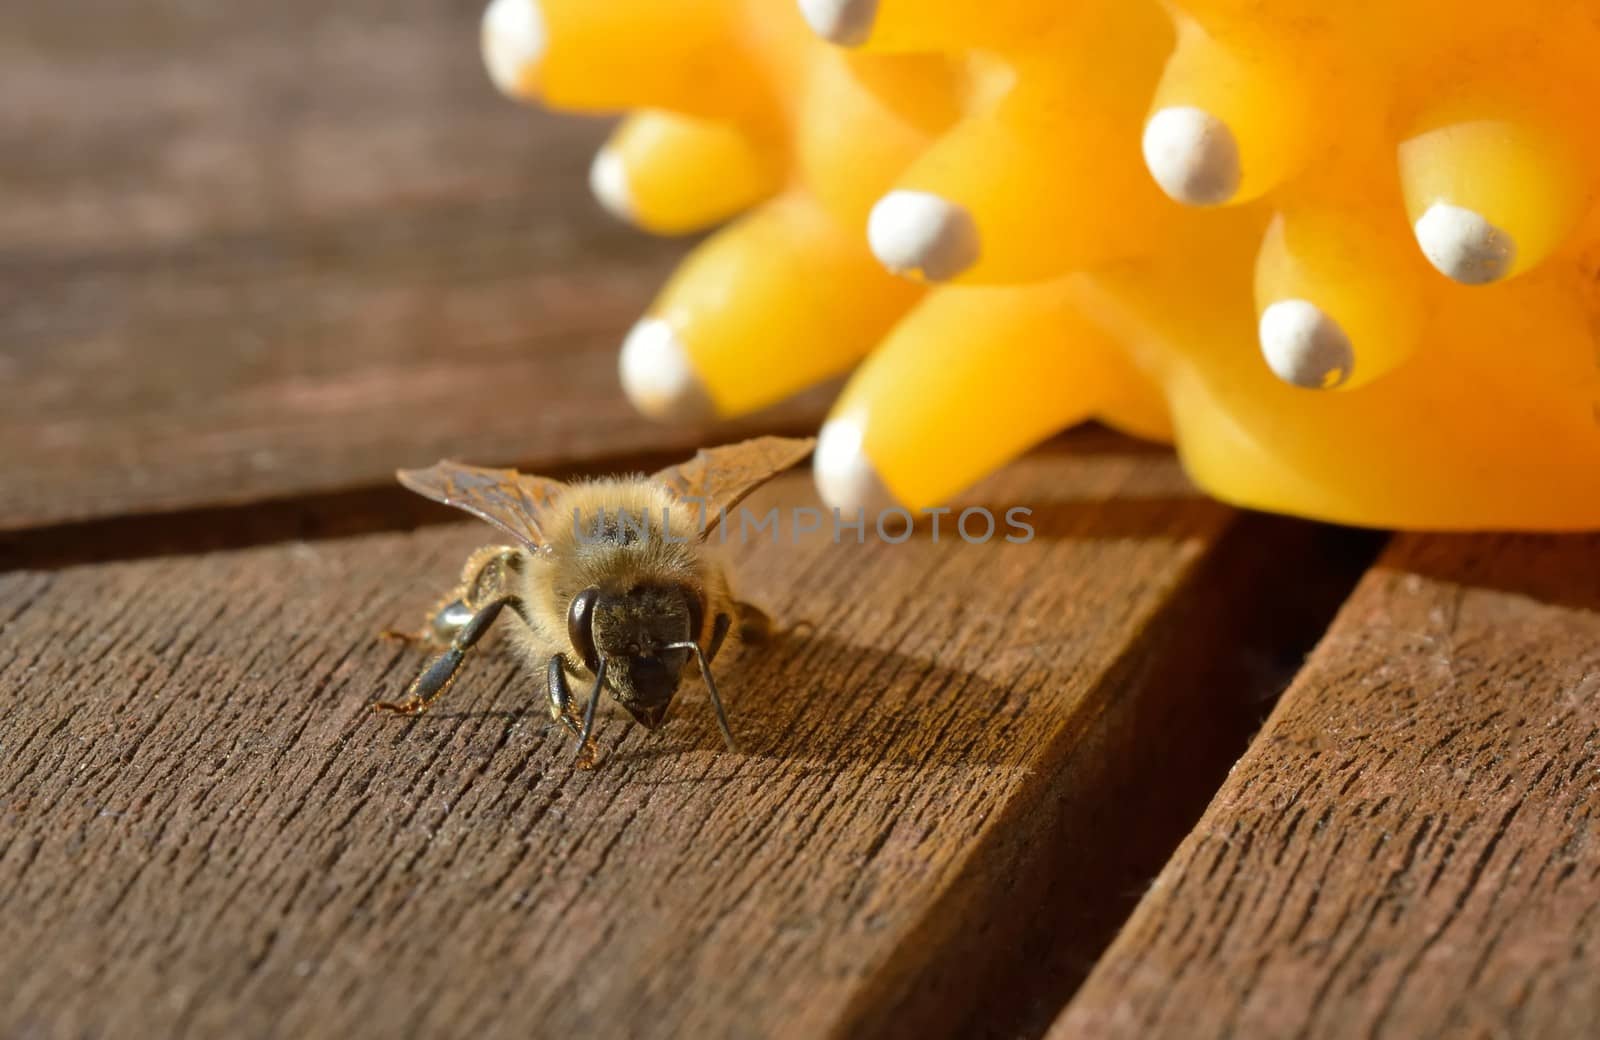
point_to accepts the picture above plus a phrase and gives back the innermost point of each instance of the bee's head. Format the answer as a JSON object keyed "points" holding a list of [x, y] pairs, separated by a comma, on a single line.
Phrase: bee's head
{"points": [[632, 630]]}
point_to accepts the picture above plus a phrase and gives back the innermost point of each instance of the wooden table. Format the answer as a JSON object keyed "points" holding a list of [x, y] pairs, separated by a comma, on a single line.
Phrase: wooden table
{"points": [[255, 259]]}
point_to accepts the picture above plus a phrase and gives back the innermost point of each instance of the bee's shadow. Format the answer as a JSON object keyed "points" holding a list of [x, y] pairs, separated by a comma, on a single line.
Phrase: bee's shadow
{"points": [[810, 696], [807, 696]]}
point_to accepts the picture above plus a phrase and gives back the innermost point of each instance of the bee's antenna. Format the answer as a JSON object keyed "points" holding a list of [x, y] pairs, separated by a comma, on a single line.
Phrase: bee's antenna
{"points": [[711, 687], [588, 711]]}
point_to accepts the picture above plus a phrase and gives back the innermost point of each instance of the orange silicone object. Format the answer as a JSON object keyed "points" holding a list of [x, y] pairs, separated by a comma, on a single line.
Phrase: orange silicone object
{"points": [[1343, 256]]}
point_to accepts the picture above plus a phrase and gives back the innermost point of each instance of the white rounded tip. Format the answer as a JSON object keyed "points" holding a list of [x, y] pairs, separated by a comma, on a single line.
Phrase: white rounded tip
{"points": [[845, 477], [657, 375], [513, 39], [845, 22], [1192, 155], [1305, 347], [1463, 246], [921, 235], [608, 182]]}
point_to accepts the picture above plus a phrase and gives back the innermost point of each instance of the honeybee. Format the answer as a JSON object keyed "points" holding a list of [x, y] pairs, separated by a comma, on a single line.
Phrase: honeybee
{"points": [[610, 583]]}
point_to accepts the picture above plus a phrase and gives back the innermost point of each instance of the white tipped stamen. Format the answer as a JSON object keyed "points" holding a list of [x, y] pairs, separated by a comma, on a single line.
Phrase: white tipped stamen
{"points": [[1305, 347], [657, 375], [1192, 155], [608, 181], [845, 22], [921, 235], [512, 37], [845, 477], [1464, 246]]}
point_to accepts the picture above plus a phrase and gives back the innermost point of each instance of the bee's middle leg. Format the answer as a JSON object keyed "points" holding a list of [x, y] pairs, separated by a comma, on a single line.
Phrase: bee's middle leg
{"points": [[754, 624], [443, 623], [438, 676], [484, 578]]}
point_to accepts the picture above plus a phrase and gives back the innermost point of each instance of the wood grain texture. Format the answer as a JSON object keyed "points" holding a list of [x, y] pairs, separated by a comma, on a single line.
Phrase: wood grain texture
{"points": [[1411, 848], [280, 249], [207, 832]]}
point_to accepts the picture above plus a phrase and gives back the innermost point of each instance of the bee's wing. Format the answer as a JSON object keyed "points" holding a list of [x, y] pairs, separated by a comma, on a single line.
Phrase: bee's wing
{"points": [[509, 500], [718, 479]]}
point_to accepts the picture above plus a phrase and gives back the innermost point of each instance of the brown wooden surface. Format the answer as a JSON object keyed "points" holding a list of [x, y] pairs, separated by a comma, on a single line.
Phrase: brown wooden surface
{"points": [[1411, 847], [255, 258], [265, 251], [208, 832]]}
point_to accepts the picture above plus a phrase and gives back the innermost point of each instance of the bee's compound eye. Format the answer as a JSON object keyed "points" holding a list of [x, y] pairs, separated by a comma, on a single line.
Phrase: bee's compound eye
{"points": [[580, 626]]}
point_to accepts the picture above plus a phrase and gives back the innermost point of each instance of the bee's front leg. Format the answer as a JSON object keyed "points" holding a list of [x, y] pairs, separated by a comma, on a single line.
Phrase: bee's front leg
{"points": [[561, 694], [437, 677], [719, 632], [561, 706]]}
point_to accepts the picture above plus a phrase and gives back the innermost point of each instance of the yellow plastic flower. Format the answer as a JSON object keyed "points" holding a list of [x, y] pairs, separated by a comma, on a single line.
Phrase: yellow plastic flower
{"points": [[1344, 256]]}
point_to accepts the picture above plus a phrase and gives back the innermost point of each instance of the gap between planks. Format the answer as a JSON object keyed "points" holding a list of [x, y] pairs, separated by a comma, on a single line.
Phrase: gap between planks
{"points": [[316, 515]]}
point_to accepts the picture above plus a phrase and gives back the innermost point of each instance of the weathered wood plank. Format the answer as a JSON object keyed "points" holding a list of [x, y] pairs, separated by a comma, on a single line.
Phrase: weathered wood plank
{"points": [[207, 832], [283, 249], [131, 128], [1411, 846]]}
